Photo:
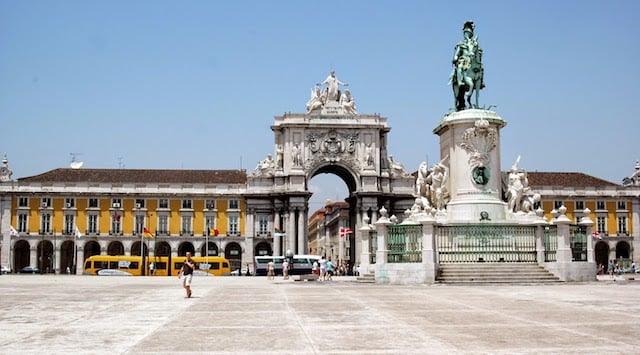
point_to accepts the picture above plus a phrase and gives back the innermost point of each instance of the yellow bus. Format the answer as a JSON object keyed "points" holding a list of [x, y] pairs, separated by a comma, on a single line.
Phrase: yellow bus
{"points": [[123, 265]]}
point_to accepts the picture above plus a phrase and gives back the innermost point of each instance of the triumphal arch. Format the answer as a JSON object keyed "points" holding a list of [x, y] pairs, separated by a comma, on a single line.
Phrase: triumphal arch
{"points": [[330, 137]]}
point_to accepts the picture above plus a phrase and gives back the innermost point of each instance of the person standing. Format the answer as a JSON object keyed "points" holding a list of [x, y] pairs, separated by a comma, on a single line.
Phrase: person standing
{"points": [[285, 269], [270, 270], [323, 269], [186, 273], [329, 270]]}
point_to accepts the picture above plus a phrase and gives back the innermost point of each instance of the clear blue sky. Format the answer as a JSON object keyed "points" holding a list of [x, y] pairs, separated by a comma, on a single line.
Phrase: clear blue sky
{"points": [[196, 84]]}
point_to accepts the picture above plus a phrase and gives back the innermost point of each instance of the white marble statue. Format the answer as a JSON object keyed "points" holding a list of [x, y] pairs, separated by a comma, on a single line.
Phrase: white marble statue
{"points": [[296, 155], [517, 187], [528, 203], [348, 104], [332, 89], [437, 179], [317, 99], [264, 167]]}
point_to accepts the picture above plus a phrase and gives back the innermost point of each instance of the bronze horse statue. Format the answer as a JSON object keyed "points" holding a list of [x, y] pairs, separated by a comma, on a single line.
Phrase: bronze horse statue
{"points": [[472, 79]]}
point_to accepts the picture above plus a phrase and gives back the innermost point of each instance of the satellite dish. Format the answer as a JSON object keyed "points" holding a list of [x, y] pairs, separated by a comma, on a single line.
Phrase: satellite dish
{"points": [[76, 164]]}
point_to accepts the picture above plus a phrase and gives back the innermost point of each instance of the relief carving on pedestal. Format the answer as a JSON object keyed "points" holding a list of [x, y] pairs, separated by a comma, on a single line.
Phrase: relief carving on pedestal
{"points": [[479, 141]]}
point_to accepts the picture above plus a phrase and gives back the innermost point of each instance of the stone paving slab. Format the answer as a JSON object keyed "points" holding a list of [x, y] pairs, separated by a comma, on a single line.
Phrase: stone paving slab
{"points": [[252, 315]]}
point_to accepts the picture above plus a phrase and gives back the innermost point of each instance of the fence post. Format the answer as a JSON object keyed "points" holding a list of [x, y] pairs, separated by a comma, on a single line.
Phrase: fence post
{"points": [[365, 237], [540, 247], [563, 253], [588, 224], [429, 249], [381, 254]]}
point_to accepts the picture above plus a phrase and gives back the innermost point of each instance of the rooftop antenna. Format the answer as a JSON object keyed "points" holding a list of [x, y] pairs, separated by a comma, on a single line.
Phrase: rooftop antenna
{"points": [[75, 164], [120, 163]]}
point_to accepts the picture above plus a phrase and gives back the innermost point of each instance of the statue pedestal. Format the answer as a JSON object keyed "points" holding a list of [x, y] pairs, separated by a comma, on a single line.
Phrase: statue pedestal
{"points": [[470, 146]]}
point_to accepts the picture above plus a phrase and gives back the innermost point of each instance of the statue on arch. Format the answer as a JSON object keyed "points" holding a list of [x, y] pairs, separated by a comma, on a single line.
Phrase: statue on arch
{"points": [[348, 104], [332, 86], [467, 76]]}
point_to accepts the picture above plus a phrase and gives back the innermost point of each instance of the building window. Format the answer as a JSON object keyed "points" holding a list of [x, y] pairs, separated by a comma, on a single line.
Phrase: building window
{"points": [[70, 202], [557, 204], [210, 204], [22, 223], [233, 225], [45, 223], [140, 203], [163, 224], [601, 223], [69, 224], [46, 202], [116, 203], [579, 205], [186, 225], [139, 224], [263, 224], [92, 224], [622, 205], [600, 205], [163, 203], [116, 224], [234, 204], [93, 203], [622, 225], [186, 204], [23, 202]]}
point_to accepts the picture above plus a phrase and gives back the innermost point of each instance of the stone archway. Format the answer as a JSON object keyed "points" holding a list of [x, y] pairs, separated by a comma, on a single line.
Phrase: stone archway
{"points": [[212, 249], [331, 137], [45, 257], [185, 247], [115, 248], [601, 250], [66, 256], [21, 255], [233, 253], [91, 248], [623, 250]]}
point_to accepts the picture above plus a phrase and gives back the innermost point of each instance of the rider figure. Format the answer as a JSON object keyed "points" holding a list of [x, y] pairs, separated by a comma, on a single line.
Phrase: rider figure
{"points": [[465, 50]]}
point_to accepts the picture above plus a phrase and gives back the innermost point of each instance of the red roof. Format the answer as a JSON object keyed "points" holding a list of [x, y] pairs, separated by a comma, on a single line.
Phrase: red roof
{"points": [[142, 176]]}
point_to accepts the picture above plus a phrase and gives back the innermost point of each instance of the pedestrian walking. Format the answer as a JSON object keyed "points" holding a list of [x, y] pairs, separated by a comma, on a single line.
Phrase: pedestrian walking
{"points": [[186, 273], [285, 269]]}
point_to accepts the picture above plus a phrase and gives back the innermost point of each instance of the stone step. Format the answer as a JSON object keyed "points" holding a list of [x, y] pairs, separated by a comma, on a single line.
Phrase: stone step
{"points": [[470, 273], [366, 278]]}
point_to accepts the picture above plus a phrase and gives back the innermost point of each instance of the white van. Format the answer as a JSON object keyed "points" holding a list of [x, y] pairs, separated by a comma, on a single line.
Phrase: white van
{"points": [[302, 264]]}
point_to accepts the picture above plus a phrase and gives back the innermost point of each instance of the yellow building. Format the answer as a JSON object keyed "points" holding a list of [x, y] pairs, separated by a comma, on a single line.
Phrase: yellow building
{"points": [[120, 211], [612, 207]]}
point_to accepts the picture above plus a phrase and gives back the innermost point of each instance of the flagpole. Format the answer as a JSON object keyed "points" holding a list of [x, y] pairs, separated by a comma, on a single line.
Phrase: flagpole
{"points": [[142, 265]]}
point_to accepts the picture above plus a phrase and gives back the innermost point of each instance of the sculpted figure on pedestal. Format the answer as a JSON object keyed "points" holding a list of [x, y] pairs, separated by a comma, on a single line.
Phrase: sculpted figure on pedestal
{"points": [[468, 72], [517, 187], [347, 103], [332, 89]]}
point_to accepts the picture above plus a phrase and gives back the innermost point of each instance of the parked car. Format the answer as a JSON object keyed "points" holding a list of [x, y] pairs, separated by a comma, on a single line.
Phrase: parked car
{"points": [[5, 270], [29, 270]]}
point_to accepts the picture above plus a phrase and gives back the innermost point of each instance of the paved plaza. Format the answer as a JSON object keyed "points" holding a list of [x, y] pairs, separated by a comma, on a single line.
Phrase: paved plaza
{"points": [[252, 315]]}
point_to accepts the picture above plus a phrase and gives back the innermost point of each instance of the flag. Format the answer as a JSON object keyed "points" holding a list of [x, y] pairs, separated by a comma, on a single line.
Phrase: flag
{"points": [[13, 232], [344, 231], [215, 232], [116, 217], [279, 232], [596, 235], [77, 233], [147, 233]]}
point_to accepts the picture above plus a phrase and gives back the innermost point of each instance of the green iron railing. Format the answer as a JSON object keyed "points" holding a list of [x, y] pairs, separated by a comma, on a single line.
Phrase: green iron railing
{"points": [[486, 243], [578, 242], [550, 243], [404, 243]]}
